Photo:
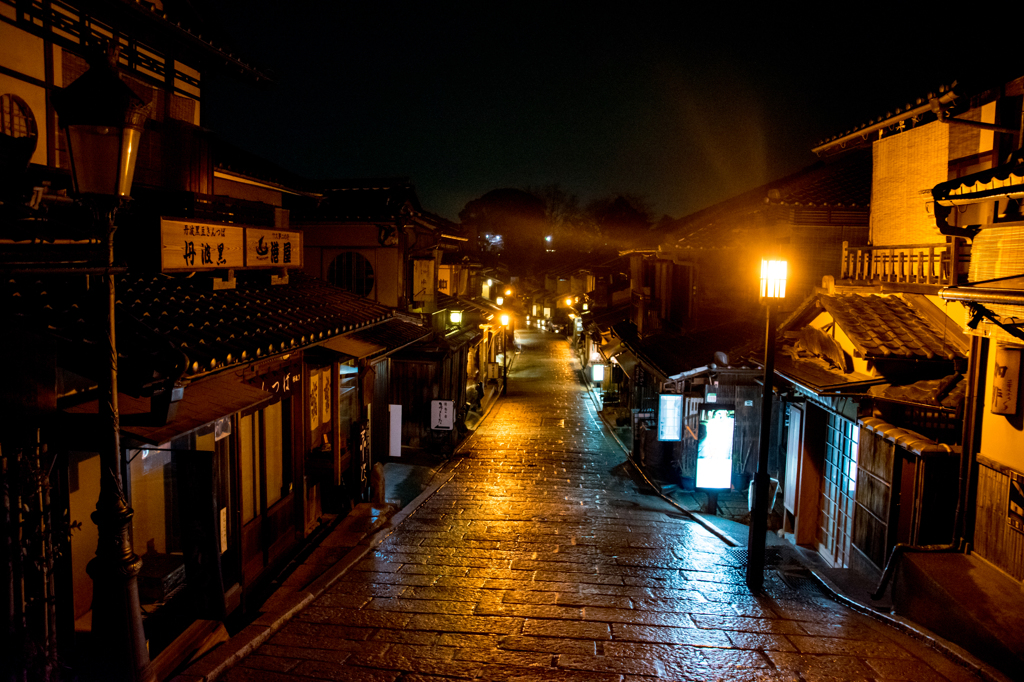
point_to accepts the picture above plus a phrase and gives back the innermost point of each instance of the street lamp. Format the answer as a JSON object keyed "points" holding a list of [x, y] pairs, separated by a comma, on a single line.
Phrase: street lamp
{"points": [[773, 290], [504, 352], [103, 120]]}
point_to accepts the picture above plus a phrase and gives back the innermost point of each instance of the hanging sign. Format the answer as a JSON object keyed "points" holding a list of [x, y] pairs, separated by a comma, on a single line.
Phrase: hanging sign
{"points": [[187, 246], [325, 394], [315, 401], [272, 248], [1006, 380], [442, 414]]}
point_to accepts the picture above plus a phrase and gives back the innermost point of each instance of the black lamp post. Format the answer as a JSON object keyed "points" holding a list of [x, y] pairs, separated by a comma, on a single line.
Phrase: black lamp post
{"points": [[773, 290], [103, 119], [504, 353]]}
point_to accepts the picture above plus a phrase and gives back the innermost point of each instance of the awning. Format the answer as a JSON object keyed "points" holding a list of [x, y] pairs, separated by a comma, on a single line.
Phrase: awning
{"points": [[393, 334], [1004, 181], [464, 337], [202, 402], [612, 348], [627, 361], [353, 347], [482, 305]]}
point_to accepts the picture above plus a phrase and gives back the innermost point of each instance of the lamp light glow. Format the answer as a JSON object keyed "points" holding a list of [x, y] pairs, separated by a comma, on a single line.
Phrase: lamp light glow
{"points": [[455, 316], [773, 279], [504, 320], [499, 300]]}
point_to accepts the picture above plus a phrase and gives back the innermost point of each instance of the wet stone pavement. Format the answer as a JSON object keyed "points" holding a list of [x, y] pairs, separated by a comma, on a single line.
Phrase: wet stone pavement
{"points": [[541, 560]]}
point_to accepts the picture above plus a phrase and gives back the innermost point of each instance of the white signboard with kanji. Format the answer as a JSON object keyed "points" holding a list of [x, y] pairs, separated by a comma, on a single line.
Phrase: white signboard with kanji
{"points": [[442, 415], [188, 246]]}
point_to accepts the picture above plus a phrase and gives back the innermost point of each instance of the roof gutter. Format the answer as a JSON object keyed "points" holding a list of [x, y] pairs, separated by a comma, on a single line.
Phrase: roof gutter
{"points": [[982, 295], [237, 177], [941, 101]]}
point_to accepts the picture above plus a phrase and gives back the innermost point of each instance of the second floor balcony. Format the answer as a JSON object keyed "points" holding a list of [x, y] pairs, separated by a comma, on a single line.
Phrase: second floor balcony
{"points": [[928, 265]]}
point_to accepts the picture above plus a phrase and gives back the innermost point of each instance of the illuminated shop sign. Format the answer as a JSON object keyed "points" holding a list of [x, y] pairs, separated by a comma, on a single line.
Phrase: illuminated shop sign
{"points": [[670, 416], [714, 445]]}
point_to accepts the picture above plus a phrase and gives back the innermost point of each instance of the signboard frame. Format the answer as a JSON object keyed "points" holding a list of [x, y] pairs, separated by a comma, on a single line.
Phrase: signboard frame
{"points": [[196, 246], [442, 415], [714, 447], [670, 417]]}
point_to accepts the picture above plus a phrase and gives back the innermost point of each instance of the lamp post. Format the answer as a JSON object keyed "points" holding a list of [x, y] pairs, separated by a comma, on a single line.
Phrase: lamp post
{"points": [[504, 353], [773, 290], [103, 119]]}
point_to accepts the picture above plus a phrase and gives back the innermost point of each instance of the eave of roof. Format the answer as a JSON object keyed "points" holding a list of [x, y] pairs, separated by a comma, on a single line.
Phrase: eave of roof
{"points": [[215, 329], [922, 106], [887, 327]]}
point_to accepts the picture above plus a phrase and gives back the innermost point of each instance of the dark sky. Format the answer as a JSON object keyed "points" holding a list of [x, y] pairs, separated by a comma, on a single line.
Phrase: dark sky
{"points": [[682, 107]]}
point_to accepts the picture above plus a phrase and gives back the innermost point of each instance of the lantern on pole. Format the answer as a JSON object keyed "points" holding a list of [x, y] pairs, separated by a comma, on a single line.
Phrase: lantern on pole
{"points": [[773, 290], [504, 352], [103, 120]]}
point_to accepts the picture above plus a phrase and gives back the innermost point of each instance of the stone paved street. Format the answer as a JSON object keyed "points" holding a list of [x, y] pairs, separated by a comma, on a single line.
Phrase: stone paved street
{"points": [[541, 560]]}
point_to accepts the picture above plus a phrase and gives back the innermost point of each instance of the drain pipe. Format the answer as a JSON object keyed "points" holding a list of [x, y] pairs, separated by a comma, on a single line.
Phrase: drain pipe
{"points": [[970, 438]]}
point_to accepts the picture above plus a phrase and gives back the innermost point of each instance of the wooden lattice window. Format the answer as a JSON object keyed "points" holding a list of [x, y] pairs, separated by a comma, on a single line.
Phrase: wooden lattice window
{"points": [[352, 272], [16, 119]]}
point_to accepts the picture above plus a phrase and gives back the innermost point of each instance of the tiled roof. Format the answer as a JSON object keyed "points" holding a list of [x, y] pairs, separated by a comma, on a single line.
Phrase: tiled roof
{"points": [[844, 184], [252, 321], [947, 392], [444, 301], [372, 199], [887, 327], [816, 374], [214, 329], [880, 328], [670, 353]]}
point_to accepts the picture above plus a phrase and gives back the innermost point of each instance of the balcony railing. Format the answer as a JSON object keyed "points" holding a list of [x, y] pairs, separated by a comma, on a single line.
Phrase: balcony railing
{"points": [[924, 264]]}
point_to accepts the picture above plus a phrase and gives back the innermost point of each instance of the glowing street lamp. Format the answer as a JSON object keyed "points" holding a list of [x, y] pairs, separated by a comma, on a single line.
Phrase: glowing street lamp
{"points": [[773, 290], [773, 279], [455, 317], [504, 352]]}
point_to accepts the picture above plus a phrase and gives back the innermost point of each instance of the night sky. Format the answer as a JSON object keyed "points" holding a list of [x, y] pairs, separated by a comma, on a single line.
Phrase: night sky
{"points": [[683, 108]]}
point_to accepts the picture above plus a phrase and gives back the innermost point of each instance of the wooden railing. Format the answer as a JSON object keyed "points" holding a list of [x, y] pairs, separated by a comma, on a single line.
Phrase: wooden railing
{"points": [[929, 264]]}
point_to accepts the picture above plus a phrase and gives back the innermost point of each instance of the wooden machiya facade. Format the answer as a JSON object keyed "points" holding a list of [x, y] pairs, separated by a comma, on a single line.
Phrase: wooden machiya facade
{"points": [[240, 427], [994, 296]]}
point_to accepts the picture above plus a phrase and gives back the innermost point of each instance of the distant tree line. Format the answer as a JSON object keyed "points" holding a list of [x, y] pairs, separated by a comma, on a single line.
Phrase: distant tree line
{"points": [[526, 225]]}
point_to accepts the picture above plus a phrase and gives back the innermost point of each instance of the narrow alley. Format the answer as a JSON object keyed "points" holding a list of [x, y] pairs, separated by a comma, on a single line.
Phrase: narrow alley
{"points": [[541, 559]]}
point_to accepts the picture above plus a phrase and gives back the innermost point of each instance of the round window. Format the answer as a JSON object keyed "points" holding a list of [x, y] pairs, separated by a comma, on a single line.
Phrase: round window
{"points": [[352, 272]]}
